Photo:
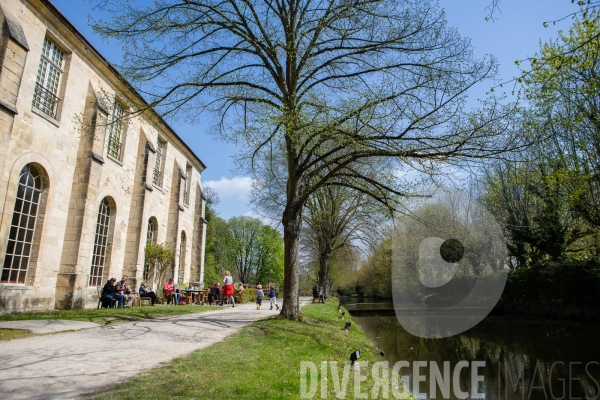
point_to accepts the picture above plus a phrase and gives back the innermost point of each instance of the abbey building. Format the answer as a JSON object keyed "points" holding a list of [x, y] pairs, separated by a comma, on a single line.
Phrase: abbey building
{"points": [[89, 174]]}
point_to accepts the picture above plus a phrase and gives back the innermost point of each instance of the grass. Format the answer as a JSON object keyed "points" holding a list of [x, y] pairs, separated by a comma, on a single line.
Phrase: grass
{"points": [[9, 334], [262, 361], [108, 316]]}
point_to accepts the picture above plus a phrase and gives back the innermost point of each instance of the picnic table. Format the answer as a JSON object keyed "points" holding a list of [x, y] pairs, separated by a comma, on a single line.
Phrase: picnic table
{"points": [[201, 296]]}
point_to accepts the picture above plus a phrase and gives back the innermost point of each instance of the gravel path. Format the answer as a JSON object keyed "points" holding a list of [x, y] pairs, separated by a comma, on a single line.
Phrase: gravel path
{"points": [[67, 365]]}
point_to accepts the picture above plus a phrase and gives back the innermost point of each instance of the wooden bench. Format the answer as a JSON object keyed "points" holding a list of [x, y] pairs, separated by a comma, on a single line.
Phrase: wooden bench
{"points": [[139, 301], [316, 299]]}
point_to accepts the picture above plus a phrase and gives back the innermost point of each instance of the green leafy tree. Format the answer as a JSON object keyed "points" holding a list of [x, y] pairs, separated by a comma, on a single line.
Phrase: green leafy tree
{"points": [[566, 92], [215, 262], [269, 256], [375, 277], [158, 259]]}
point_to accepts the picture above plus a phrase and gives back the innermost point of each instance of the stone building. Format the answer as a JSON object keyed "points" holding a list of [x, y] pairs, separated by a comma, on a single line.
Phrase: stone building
{"points": [[89, 174]]}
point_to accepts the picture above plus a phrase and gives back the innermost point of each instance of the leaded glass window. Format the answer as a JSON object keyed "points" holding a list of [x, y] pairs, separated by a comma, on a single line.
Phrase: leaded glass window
{"points": [[157, 178], [115, 132], [22, 228], [48, 78], [100, 243]]}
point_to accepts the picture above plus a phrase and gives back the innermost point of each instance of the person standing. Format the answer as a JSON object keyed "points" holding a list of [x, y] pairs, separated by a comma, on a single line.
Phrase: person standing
{"points": [[123, 289], [273, 297], [145, 291], [109, 293], [228, 289], [259, 296]]}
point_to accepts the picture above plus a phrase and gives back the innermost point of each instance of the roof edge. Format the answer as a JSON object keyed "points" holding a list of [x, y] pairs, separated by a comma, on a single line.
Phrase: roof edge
{"points": [[62, 19]]}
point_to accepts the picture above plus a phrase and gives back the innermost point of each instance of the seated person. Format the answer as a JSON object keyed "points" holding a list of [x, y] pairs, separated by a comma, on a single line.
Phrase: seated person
{"points": [[315, 293], [215, 294], [238, 290], [123, 289], [146, 291], [170, 292], [109, 293], [321, 294], [182, 295]]}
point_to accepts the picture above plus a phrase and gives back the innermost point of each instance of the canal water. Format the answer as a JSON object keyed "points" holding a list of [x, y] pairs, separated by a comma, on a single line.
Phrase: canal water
{"points": [[525, 357]]}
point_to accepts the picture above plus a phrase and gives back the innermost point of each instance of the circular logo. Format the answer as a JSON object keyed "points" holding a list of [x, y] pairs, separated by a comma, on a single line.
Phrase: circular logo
{"points": [[448, 263]]}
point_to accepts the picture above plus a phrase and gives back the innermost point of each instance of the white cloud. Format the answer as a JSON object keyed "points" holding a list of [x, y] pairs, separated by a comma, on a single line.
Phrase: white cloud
{"points": [[236, 188], [274, 223]]}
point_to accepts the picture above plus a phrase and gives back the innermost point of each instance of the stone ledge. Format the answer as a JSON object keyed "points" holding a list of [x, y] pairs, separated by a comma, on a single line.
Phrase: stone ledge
{"points": [[98, 158], [8, 106], [117, 161], [10, 286], [42, 114], [15, 31]]}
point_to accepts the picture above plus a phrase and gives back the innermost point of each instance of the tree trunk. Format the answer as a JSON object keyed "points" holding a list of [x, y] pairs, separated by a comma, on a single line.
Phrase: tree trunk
{"points": [[291, 239], [292, 222], [323, 258]]}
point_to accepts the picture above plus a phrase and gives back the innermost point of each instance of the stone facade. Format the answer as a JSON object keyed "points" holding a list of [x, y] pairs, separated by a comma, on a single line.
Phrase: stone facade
{"points": [[92, 145]]}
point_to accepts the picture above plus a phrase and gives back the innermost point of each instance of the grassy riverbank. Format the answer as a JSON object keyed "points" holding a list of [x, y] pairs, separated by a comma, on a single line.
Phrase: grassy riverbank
{"points": [[262, 361]]}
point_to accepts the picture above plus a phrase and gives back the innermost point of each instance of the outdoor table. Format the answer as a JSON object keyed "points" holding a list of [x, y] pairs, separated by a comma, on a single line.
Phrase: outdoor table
{"points": [[199, 295]]}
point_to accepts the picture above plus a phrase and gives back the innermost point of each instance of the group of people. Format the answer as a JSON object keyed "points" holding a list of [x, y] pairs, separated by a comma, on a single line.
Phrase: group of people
{"points": [[122, 293], [319, 293], [272, 296], [218, 294], [124, 296]]}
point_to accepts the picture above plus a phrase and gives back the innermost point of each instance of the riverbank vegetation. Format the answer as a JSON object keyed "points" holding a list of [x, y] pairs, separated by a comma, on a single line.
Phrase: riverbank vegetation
{"points": [[546, 198], [274, 347]]}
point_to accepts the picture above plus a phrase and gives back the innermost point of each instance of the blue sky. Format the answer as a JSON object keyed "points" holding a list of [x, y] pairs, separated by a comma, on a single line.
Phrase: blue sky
{"points": [[515, 34]]}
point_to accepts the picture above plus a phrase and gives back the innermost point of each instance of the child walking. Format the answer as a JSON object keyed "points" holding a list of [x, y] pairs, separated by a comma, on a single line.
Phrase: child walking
{"points": [[259, 296], [273, 296]]}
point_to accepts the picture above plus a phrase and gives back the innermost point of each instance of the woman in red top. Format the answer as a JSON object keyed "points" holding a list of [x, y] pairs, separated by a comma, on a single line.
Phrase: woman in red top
{"points": [[169, 290], [228, 289]]}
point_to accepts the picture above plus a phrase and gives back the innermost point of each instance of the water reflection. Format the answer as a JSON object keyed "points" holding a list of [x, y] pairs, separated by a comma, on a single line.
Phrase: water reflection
{"points": [[525, 358]]}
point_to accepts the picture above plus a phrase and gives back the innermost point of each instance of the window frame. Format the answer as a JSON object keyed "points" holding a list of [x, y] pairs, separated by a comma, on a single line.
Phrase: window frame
{"points": [[182, 255], [187, 188], [41, 90], [159, 162], [151, 228], [96, 279], [116, 132], [28, 237]]}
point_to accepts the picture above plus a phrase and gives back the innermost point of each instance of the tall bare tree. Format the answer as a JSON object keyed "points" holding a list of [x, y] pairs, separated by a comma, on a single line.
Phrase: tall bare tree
{"points": [[331, 83], [338, 217]]}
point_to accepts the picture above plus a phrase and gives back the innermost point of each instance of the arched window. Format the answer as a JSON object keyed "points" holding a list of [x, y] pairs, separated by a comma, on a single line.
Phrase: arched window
{"points": [[22, 228], [151, 237], [182, 247], [100, 243], [152, 229]]}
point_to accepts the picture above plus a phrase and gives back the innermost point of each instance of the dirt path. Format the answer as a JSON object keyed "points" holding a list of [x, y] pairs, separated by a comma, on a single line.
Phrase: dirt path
{"points": [[65, 365]]}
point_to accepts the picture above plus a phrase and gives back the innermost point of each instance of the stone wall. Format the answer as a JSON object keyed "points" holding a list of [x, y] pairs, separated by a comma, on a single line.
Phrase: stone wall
{"points": [[71, 151]]}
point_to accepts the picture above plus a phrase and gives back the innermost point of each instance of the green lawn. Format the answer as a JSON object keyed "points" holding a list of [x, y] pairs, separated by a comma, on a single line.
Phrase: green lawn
{"points": [[262, 361], [107, 316]]}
